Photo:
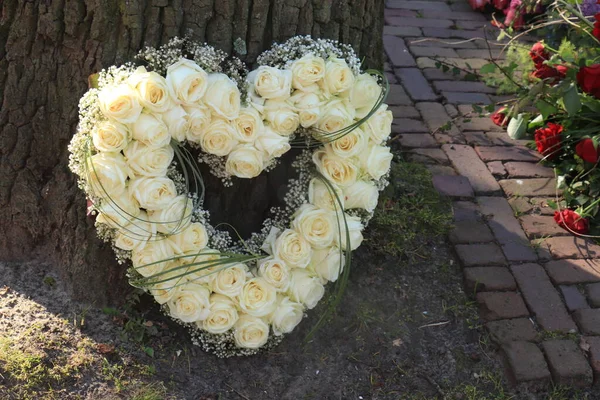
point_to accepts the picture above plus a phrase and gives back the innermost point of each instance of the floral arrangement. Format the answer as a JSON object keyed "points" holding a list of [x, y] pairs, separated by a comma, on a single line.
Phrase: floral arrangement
{"points": [[139, 125], [560, 111]]}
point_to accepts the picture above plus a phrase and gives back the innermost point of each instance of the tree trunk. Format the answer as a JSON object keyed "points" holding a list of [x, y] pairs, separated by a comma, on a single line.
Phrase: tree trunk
{"points": [[48, 48]]}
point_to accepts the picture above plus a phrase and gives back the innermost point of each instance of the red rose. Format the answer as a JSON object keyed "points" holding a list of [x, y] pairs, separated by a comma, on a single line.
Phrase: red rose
{"points": [[586, 150], [546, 72], [539, 54], [571, 221], [588, 79], [548, 140], [499, 118], [562, 70], [596, 31]]}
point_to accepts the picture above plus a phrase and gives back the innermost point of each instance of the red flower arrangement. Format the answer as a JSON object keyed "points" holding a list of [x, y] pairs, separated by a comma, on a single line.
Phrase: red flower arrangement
{"points": [[499, 117], [588, 79], [548, 140], [571, 221], [587, 151]]}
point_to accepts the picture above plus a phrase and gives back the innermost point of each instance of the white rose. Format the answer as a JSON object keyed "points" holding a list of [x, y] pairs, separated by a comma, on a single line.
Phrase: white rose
{"points": [[293, 249], [250, 332], [315, 225], [276, 273], [187, 81], [153, 193], [110, 136], [351, 144], [199, 119], [248, 125], [230, 279], [306, 288], [376, 161], [307, 106], [268, 245], [164, 286], [323, 196], [354, 230], [152, 90], [218, 138], [281, 117], [245, 162], [177, 122], [223, 96], [338, 170], [174, 217], [192, 238], [107, 174], [336, 115], [307, 70], [364, 94], [327, 263], [286, 316], [200, 266], [136, 234], [338, 76], [271, 83], [272, 143], [223, 315], [151, 130], [117, 211], [361, 194], [144, 160], [120, 102], [154, 257], [190, 302], [379, 126], [257, 297]]}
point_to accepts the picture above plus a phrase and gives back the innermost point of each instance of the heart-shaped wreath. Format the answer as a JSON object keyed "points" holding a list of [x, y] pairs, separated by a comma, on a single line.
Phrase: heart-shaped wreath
{"points": [[133, 154]]}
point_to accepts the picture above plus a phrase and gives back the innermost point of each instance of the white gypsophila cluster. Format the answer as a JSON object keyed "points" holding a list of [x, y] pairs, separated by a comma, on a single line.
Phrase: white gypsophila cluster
{"points": [[281, 55], [236, 297]]}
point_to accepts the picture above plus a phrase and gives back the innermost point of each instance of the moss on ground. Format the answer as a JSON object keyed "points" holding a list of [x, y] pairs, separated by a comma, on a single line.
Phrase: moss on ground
{"points": [[410, 214]]}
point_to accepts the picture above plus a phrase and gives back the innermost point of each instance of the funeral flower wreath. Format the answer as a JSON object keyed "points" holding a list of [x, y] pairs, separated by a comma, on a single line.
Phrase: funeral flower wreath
{"points": [[132, 151]]}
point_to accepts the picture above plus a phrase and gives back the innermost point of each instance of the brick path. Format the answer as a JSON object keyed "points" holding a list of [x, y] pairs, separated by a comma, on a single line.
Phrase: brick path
{"points": [[538, 288]]}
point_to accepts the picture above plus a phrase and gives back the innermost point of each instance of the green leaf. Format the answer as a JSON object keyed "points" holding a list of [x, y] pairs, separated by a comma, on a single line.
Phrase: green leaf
{"points": [[571, 100], [517, 127], [536, 122], [545, 108], [149, 351], [470, 77], [488, 69], [93, 81], [552, 204]]}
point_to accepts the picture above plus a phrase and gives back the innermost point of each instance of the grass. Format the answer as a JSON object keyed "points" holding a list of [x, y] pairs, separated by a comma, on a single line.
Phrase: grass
{"points": [[410, 214]]}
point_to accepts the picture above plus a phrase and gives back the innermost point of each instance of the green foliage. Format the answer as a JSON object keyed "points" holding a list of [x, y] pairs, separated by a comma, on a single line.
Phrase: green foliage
{"points": [[517, 66], [410, 213]]}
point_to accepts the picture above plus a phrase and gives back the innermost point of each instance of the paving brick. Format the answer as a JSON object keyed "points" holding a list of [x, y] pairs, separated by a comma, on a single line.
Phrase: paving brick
{"points": [[478, 139], [497, 169], [398, 12], [397, 96], [568, 365], [498, 153], [594, 353], [454, 86], [572, 247], [511, 330], [476, 123], [542, 298], [472, 25], [440, 170], [588, 320], [506, 229], [451, 110], [479, 53], [397, 51], [427, 51], [415, 83], [403, 125], [499, 138], [391, 77], [417, 140], [470, 232], [447, 137], [436, 42], [466, 161], [453, 186], [434, 115], [529, 187], [593, 293], [484, 279], [536, 205], [528, 170], [466, 211], [417, 5], [461, 7], [501, 305], [526, 362], [471, 98], [435, 74], [419, 22], [451, 33], [457, 16], [569, 272], [402, 30], [472, 255], [574, 299], [539, 226], [404, 112], [429, 156]]}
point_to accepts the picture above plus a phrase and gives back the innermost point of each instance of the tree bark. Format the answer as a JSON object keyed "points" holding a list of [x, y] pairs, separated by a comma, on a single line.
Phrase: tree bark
{"points": [[48, 48]]}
